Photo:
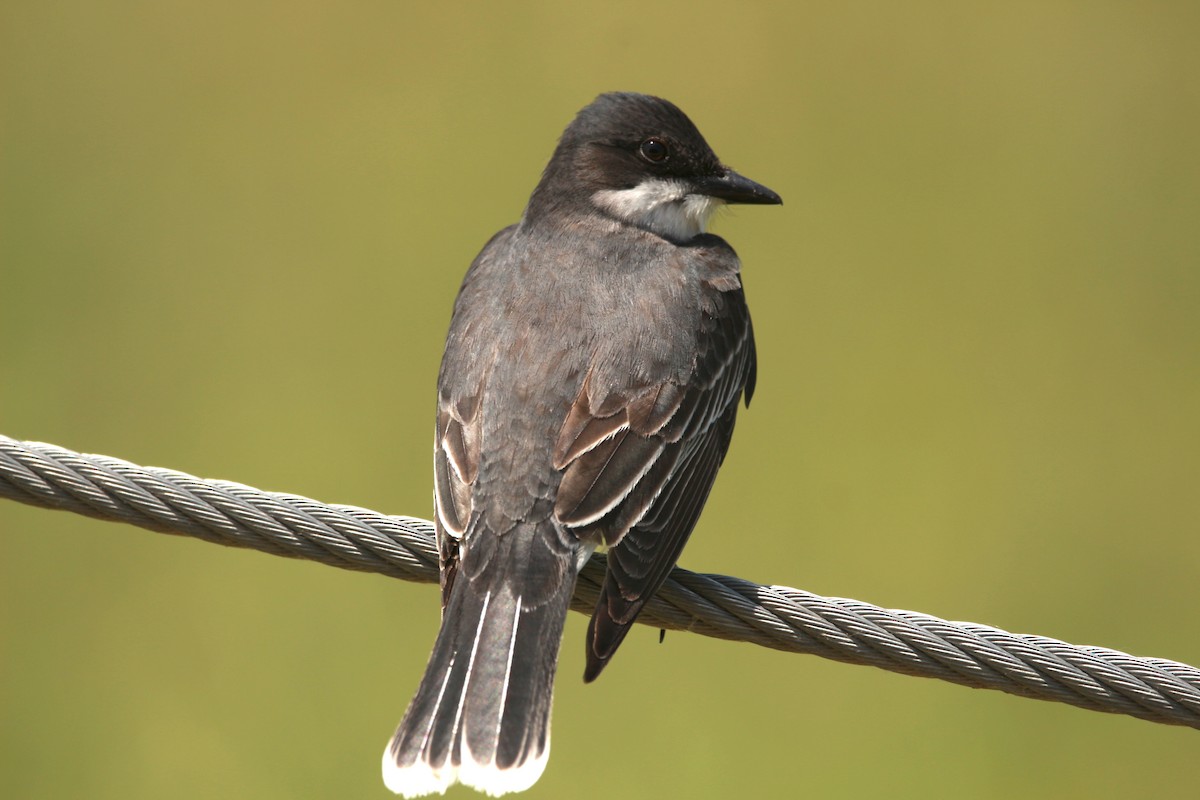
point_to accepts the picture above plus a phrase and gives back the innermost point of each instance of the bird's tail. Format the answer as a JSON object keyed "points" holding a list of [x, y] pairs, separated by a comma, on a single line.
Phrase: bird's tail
{"points": [[481, 715]]}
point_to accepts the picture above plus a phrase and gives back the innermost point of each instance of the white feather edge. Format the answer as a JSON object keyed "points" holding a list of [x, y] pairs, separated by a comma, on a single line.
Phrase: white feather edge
{"points": [[629, 487]]}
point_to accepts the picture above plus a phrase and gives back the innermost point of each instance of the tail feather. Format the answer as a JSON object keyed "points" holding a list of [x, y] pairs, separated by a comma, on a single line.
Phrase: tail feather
{"points": [[481, 715]]}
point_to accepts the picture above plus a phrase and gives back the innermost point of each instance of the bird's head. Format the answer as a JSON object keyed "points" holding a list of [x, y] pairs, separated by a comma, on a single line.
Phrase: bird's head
{"points": [[641, 161]]}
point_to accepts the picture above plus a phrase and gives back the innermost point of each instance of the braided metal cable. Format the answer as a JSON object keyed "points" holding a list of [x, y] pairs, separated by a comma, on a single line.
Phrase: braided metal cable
{"points": [[713, 605]]}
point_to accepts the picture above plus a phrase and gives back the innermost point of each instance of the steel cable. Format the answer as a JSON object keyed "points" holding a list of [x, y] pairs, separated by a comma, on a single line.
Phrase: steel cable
{"points": [[713, 605]]}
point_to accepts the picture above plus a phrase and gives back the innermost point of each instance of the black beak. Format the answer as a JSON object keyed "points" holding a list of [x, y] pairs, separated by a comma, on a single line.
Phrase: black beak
{"points": [[733, 188]]}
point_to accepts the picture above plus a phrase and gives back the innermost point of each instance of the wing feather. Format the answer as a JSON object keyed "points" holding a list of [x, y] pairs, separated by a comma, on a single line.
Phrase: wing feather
{"points": [[456, 456], [638, 466]]}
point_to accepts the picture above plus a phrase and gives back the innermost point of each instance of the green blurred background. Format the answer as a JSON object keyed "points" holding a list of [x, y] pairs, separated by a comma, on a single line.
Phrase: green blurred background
{"points": [[231, 235]]}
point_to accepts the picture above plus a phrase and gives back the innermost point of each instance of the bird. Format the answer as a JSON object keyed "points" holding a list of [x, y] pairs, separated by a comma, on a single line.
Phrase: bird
{"points": [[597, 354]]}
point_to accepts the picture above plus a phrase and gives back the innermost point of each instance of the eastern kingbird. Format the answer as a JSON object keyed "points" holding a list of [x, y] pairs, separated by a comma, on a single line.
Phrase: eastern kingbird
{"points": [[592, 373]]}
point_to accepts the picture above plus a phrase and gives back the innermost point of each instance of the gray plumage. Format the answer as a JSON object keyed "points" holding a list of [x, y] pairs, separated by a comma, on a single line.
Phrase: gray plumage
{"points": [[595, 360]]}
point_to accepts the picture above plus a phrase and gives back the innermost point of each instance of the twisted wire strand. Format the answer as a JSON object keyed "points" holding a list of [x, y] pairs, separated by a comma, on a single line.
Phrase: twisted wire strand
{"points": [[713, 605]]}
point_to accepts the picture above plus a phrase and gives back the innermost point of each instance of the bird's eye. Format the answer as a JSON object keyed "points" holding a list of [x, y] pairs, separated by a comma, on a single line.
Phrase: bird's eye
{"points": [[654, 150]]}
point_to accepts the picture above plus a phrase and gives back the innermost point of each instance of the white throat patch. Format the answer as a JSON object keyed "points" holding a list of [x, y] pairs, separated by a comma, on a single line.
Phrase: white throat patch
{"points": [[660, 205]]}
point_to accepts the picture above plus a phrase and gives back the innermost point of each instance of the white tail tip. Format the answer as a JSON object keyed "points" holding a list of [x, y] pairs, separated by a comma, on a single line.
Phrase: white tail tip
{"points": [[422, 778]]}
